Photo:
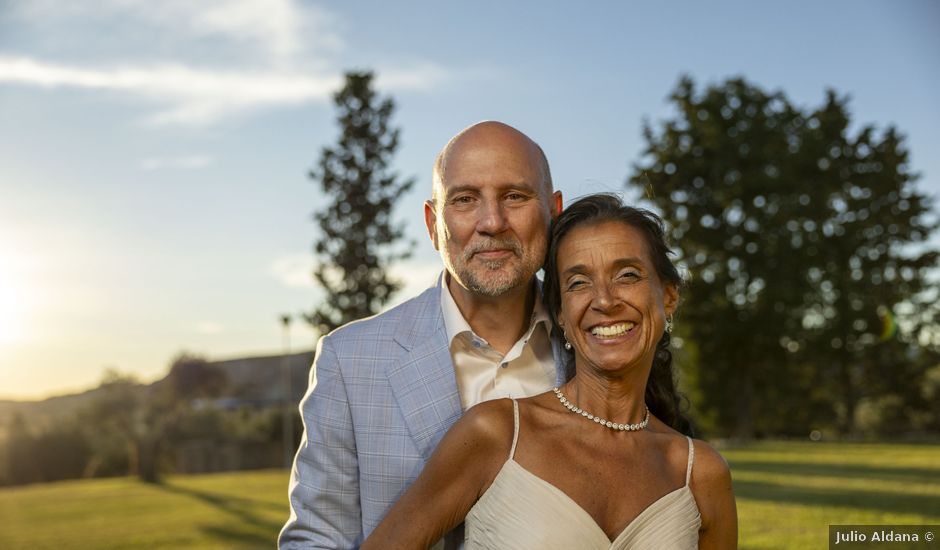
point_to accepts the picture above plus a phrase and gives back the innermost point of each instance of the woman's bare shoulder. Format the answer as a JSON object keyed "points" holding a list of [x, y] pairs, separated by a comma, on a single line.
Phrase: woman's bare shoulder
{"points": [[709, 466], [488, 426], [714, 495]]}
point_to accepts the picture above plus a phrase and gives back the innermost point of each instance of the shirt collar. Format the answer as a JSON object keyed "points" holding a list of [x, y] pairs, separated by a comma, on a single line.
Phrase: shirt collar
{"points": [[455, 324]]}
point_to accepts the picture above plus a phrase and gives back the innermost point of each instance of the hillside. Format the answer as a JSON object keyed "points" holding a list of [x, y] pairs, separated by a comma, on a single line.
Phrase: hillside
{"points": [[251, 380]]}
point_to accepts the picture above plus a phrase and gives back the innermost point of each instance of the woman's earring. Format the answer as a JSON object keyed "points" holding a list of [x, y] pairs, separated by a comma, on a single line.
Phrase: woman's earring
{"points": [[567, 343], [669, 324]]}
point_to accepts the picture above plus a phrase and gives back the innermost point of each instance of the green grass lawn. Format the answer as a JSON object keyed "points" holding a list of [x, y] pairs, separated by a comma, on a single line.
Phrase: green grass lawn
{"points": [[788, 493], [230, 511]]}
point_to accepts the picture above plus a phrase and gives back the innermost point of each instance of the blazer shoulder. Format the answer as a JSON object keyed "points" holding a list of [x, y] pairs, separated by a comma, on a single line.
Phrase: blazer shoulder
{"points": [[415, 316]]}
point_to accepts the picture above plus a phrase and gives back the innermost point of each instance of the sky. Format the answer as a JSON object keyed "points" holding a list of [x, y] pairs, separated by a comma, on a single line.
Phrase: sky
{"points": [[154, 196]]}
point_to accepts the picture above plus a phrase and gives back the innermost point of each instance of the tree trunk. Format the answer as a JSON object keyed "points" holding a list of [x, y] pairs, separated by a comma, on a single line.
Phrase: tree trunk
{"points": [[147, 460], [744, 415], [849, 400]]}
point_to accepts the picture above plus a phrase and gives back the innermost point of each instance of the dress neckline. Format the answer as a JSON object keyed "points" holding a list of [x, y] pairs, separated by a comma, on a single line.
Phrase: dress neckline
{"points": [[653, 506], [567, 498]]}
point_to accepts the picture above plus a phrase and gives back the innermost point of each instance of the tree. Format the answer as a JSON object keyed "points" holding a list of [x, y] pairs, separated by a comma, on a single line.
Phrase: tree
{"points": [[19, 447], [356, 247], [873, 269], [168, 408], [795, 233], [193, 377], [133, 428], [112, 427]]}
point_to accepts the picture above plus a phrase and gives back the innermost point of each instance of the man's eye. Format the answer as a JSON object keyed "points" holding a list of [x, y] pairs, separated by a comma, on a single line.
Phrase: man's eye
{"points": [[515, 197], [464, 199]]}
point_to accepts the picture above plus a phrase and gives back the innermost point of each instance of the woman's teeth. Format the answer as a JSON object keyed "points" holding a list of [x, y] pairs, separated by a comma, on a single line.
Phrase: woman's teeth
{"points": [[612, 331]]}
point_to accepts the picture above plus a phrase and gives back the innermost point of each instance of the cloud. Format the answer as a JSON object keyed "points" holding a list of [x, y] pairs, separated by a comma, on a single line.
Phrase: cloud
{"points": [[195, 63], [190, 162], [281, 26], [196, 97], [208, 328], [189, 96], [281, 31], [294, 270]]}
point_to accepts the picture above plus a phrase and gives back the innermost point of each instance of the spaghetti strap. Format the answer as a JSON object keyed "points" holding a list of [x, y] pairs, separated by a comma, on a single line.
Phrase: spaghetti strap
{"points": [[515, 427], [688, 469]]}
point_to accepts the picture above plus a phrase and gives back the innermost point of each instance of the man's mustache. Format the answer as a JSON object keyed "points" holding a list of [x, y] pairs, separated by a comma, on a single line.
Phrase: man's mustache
{"points": [[493, 244]]}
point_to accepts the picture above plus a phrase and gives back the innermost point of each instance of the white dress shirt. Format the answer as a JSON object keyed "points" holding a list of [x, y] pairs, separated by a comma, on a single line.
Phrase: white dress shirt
{"points": [[482, 372]]}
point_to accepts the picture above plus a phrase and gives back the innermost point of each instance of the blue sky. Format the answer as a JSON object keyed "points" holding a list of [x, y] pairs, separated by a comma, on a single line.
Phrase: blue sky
{"points": [[153, 155]]}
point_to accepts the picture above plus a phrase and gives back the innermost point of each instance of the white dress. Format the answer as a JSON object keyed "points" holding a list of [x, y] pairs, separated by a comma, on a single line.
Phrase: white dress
{"points": [[522, 511]]}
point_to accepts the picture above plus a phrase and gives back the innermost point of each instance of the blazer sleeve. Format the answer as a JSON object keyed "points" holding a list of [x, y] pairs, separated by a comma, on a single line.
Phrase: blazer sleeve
{"points": [[324, 485]]}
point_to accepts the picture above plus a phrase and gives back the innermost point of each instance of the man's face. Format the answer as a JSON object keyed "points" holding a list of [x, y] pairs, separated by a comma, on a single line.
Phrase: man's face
{"points": [[491, 212]]}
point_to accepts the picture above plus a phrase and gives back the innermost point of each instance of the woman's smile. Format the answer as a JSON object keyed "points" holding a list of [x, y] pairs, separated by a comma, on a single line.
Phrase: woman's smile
{"points": [[615, 333]]}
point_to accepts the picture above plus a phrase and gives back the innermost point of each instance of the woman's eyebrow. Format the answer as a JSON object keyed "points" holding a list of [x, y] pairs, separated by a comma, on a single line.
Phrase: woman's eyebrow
{"points": [[632, 260], [573, 270], [618, 263]]}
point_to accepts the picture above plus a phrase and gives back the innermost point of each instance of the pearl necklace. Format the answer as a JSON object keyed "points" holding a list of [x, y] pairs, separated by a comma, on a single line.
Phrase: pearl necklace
{"points": [[612, 425]]}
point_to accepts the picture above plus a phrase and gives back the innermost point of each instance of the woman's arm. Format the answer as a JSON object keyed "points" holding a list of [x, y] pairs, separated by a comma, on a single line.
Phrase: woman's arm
{"points": [[711, 485], [458, 472]]}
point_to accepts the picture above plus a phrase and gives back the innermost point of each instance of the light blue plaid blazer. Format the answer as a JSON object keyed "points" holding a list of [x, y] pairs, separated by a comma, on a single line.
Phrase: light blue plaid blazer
{"points": [[382, 393]]}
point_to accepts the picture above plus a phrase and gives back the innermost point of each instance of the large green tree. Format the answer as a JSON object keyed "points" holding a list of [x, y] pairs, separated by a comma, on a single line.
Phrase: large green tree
{"points": [[873, 269], [358, 240], [798, 234]]}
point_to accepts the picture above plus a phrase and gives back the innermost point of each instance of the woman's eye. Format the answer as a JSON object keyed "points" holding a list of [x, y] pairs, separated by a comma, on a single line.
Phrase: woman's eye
{"points": [[574, 285], [629, 275]]}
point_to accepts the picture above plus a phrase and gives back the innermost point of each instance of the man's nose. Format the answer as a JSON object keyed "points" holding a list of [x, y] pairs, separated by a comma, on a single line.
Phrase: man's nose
{"points": [[493, 219]]}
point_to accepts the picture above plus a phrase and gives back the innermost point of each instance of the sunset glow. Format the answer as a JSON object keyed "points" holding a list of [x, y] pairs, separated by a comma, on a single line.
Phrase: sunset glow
{"points": [[14, 300]]}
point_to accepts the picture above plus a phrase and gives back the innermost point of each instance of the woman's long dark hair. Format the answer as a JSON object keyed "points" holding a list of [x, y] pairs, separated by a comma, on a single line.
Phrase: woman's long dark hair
{"points": [[661, 396]]}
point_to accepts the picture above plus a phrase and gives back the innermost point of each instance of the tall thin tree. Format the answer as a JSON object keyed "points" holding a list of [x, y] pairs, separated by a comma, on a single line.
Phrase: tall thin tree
{"points": [[357, 245]]}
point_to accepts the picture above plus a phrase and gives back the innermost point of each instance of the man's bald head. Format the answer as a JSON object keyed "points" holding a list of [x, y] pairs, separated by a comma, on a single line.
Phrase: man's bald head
{"points": [[490, 133]]}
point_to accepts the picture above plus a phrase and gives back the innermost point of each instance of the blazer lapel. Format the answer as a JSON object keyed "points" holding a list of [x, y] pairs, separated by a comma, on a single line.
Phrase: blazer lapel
{"points": [[424, 382]]}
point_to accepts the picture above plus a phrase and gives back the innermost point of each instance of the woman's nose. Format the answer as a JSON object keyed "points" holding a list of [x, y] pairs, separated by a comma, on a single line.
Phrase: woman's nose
{"points": [[604, 298]]}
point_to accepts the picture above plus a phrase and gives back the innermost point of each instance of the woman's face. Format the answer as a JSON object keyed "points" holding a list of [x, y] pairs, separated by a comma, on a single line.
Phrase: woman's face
{"points": [[613, 305]]}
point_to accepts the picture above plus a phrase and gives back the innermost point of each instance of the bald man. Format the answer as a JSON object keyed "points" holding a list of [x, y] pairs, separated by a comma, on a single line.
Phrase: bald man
{"points": [[384, 390]]}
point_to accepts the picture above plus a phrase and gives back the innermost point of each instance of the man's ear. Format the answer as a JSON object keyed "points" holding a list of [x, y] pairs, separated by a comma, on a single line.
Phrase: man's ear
{"points": [[556, 204], [430, 220]]}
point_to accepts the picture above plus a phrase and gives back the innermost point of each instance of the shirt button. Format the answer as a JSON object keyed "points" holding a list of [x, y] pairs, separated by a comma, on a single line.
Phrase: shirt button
{"points": [[504, 365], [476, 343]]}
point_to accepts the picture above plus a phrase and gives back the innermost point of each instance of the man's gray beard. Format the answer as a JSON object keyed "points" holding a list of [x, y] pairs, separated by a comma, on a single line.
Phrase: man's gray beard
{"points": [[500, 282], [492, 287]]}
